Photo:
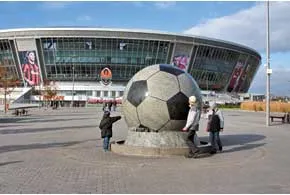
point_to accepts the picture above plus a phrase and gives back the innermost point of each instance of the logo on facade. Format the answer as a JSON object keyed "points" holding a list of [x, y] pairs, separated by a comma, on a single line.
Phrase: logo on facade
{"points": [[106, 76]]}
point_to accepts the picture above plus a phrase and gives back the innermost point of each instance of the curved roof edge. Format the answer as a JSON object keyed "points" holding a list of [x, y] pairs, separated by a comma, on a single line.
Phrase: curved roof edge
{"points": [[128, 30]]}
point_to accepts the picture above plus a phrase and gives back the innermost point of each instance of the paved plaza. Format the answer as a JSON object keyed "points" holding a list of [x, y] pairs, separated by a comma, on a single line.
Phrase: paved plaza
{"points": [[60, 151]]}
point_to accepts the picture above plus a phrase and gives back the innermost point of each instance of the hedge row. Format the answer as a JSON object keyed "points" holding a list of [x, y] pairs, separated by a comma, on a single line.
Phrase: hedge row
{"points": [[261, 106]]}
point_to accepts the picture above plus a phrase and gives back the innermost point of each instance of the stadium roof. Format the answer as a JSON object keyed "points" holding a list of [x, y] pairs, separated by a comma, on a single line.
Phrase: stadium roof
{"points": [[84, 28]]}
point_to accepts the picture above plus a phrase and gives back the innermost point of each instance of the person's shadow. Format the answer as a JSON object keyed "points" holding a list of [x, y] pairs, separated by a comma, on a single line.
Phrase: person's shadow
{"points": [[242, 141]]}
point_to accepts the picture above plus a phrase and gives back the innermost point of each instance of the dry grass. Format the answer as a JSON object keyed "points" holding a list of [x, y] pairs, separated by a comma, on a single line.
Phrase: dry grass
{"points": [[275, 106]]}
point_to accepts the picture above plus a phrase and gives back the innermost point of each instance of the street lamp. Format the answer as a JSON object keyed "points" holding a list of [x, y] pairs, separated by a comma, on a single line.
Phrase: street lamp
{"points": [[268, 71]]}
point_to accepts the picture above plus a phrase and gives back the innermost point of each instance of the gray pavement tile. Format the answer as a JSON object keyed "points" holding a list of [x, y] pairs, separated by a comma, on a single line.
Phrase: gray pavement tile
{"points": [[59, 151]]}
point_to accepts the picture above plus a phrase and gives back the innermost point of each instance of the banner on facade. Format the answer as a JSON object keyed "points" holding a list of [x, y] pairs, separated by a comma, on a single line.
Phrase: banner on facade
{"points": [[30, 68]]}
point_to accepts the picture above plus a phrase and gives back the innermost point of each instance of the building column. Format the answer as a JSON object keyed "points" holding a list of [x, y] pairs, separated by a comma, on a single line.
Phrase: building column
{"points": [[117, 93]]}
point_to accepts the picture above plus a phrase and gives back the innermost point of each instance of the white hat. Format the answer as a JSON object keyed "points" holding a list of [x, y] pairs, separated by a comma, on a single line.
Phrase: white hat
{"points": [[192, 99]]}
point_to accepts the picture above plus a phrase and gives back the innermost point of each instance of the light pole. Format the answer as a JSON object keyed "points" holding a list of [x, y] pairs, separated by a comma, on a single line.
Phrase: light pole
{"points": [[268, 71], [288, 94]]}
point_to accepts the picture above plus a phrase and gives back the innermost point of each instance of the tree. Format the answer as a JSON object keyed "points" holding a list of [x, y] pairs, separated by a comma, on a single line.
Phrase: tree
{"points": [[49, 90], [7, 84]]}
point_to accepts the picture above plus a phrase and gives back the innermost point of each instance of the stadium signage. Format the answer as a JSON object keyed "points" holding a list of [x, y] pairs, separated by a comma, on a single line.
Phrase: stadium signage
{"points": [[106, 76]]}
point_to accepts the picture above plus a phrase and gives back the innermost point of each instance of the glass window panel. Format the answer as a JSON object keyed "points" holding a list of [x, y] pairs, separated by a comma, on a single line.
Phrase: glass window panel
{"points": [[113, 93], [106, 93]]}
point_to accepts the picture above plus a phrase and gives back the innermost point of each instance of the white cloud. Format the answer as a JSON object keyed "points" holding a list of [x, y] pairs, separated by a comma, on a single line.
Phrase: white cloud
{"points": [[157, 4], [279, 82], [248, 27], [54, 5], [84, 18], [165, 4], [138, 3]]}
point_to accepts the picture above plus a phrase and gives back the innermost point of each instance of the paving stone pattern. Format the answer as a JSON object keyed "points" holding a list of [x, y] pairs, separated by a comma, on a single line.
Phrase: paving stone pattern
{"points": [[60, 151]]}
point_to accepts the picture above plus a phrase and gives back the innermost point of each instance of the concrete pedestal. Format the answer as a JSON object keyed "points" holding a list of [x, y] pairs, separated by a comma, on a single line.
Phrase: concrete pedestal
{"points": [[164, 143], [164, 139]]}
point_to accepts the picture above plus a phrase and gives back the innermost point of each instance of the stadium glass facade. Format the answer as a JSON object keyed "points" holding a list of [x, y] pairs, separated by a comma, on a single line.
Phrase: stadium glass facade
{"points": [[80, 54], [90, 55], [7, 59]]}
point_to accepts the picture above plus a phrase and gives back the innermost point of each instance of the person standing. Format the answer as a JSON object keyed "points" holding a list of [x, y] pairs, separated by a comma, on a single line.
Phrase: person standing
{"points": [[214, 127], [192, 125], [114, 104], [104, 106], [110, 105], [106, 126]]}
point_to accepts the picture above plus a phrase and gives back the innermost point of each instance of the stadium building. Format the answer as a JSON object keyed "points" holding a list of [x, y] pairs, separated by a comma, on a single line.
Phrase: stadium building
{"points": [[87, 64]]}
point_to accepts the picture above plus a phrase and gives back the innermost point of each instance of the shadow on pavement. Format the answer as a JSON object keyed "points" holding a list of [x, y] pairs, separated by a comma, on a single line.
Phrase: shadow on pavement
{"points": [[11, 162], [37, 130], [242, 141], [238, 139], [16, 119], [63, 119], [66, 113], [39, 120], [12, 148], [9, 126], [244, 147]]}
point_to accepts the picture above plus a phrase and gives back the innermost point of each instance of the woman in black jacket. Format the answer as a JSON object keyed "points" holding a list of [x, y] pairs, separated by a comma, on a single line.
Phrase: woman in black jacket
{"points": [[106, 128]]}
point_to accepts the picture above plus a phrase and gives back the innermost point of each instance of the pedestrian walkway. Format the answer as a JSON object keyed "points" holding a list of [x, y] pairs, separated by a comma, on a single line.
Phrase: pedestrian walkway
{"points": [[59, 151]]}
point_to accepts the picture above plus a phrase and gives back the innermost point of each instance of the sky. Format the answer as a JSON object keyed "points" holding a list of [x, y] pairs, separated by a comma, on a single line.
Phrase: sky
{"points": [[240, 22]]}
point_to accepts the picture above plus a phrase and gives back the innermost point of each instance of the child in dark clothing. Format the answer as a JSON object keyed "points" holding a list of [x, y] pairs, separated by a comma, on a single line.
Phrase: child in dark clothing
{"points": [[214, 127], [106, 125]]}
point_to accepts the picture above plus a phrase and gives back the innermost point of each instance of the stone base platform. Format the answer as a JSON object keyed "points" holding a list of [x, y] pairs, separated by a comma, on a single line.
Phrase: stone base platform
{"points": [[164, 143], [146, 151]]}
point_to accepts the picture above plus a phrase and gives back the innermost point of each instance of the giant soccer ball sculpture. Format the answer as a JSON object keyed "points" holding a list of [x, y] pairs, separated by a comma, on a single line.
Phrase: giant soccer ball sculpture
{"points": [[155, 106]]}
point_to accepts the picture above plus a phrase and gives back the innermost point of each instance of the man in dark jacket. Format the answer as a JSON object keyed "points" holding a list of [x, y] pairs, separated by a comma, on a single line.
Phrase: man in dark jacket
{"points": [[106, 125]]}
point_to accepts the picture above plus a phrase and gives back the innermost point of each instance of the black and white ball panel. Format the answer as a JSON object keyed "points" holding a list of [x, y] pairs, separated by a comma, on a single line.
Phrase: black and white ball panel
{"points": [[189, 87], [157, 98], [137, 92], [178, 106], [130, 111], [170, 69], [124, 98], [153, 113], [163, 85], [173, 125], [145, 73], [186, 86]]}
